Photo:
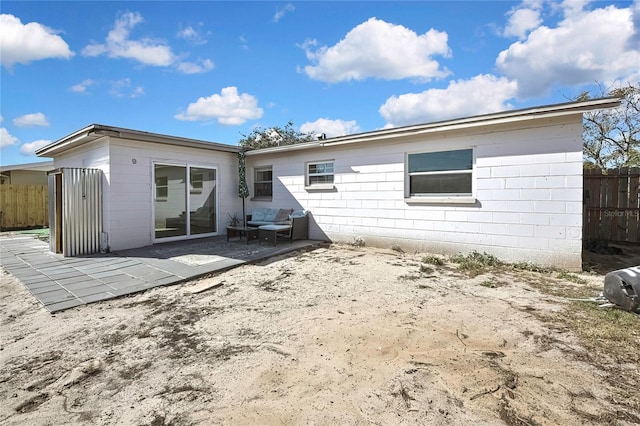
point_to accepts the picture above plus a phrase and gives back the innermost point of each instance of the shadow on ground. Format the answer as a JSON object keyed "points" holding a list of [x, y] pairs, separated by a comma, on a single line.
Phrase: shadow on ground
{"points": [[622, 255]]}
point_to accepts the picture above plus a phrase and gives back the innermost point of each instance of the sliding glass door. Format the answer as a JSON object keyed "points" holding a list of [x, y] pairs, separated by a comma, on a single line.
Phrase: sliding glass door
{"points": [[181, 189], [202, 199]]}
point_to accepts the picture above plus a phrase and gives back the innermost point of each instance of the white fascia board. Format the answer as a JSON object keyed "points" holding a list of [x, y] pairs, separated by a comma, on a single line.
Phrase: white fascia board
{"points": [[481, 120], [40, 166], [97, 131], [285, 148], [505, 117]]}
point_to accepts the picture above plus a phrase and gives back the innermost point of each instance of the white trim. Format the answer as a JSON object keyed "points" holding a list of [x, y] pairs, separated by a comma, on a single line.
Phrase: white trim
{"points": [[441, 200], [320, 187]]}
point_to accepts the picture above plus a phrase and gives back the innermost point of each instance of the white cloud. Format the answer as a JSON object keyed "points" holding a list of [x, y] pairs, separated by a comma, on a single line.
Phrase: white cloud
{"points": [[6, 139], [118, 44], [482, 94], [82, 86], [521, 22], [31, 147], [188, 33], [30, 120], [244, 42], [378, 49], [192, 34], [23, 43], [228, 108], [123, 89], [280, 12], [199, 67], [332, 128], [585, 47], [573, 8]]}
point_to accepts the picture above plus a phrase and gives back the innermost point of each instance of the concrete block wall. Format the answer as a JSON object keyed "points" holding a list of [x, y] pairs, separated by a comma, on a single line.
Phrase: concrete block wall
{"points": [[131, 205], [128, 188], [95, 156], [527, 186]]}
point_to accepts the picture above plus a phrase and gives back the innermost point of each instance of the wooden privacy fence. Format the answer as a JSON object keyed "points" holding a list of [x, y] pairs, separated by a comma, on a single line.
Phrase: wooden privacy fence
{"points": [[612, 205], [23, 206]]}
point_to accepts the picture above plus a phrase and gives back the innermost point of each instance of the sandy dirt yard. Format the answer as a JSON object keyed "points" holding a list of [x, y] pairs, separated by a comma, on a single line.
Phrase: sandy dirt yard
{"points": [[333, 336]]}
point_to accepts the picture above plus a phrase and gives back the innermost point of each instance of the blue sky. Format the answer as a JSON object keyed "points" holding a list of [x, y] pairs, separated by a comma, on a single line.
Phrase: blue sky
{"points": [[215, 70]]}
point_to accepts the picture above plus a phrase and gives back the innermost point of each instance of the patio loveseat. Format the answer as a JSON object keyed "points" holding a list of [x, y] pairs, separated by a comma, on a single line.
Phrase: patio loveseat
{"points": [[266, 216], [274, 224]]}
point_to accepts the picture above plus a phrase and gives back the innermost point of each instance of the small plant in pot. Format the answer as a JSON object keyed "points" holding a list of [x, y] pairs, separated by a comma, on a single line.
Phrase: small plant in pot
{"points": [[234, 220]]}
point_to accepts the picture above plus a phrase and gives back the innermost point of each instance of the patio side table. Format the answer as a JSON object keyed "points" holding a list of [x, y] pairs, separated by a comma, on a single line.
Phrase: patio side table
{"points": [[240, 231]]}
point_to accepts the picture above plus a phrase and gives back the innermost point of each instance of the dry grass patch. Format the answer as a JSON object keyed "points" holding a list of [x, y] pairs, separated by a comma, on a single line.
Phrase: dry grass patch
{"points": [[610, 341]]}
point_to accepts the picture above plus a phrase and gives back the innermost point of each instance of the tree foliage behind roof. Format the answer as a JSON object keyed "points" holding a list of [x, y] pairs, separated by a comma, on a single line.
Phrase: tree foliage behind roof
{"points": [[612, 137], [274, 136]]}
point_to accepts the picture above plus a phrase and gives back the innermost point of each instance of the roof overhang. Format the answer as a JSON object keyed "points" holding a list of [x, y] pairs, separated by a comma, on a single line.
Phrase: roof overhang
{"points": [[505, 117], [97, 131], [42, 166]]}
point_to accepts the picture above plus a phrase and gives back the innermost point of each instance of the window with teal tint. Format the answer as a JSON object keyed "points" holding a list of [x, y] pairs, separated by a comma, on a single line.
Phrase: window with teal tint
{"points": [[443, 173]]}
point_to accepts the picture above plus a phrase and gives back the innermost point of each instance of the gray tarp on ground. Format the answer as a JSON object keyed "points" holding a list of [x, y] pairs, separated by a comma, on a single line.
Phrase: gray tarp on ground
{"points": [[622, 287]]}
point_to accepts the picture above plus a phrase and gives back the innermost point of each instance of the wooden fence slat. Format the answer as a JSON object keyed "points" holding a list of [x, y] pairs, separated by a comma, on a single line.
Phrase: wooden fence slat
{"points": [[24, 206], [633, 229], [612, 205]]}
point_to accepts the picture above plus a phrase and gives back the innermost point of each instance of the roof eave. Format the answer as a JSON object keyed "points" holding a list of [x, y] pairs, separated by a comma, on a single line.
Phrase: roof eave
{"points": [[39, 166], [483, 120], [503, 117], [285, 148], [97, 131]]}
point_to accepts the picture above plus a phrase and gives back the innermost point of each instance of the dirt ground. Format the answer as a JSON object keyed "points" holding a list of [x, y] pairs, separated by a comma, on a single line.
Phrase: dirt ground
{"points": [[337, 335]]}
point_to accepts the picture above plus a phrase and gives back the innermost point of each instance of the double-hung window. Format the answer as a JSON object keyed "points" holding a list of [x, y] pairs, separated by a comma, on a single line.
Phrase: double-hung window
{"points": [[320, 174], [440, 174], [263, 182]]}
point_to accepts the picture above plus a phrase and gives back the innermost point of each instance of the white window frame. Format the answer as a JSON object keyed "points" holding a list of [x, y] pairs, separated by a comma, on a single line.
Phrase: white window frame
{"points": [[319, 186], [453, 198], [256, 170]]}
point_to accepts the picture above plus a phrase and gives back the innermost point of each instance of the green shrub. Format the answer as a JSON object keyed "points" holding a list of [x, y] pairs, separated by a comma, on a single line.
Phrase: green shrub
{"points": [[571, 277], [526, 266], [475, 262], [433, 260]]}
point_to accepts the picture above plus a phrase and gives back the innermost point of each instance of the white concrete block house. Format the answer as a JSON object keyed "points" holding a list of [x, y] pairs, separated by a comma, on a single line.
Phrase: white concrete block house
{"points": [[507, 183]]}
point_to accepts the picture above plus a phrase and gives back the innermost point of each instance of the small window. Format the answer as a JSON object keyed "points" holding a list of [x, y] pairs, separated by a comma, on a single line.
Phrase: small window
{"points": [[444, 173], [319, 174], [162, 187], [263, 182]]}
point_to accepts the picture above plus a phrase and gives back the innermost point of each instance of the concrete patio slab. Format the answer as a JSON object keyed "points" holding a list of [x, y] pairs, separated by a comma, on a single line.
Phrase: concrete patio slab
{"points": [[61, 283]]}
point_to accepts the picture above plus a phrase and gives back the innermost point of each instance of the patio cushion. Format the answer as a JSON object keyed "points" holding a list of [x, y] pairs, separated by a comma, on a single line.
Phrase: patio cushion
{"points": [[297, 213], [282, 216], [275, 227], [270, 216], [257, 215]]}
